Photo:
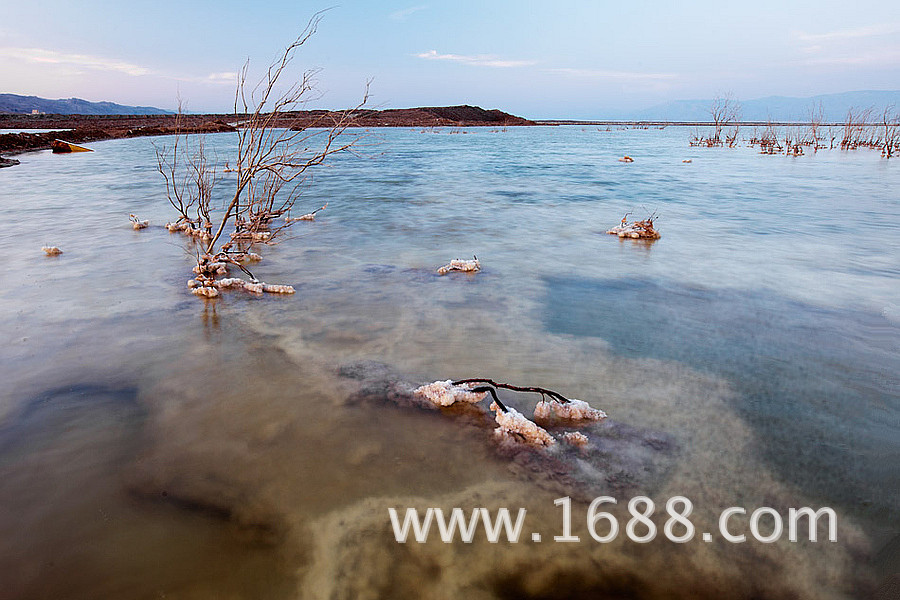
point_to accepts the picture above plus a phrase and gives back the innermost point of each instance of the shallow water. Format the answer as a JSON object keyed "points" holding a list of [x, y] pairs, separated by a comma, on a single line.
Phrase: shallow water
{"points": [[155, 444]]}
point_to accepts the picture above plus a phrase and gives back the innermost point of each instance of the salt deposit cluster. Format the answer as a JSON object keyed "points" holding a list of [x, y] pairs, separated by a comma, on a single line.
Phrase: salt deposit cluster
{"points": [[513, 426], [444, 393], [460, 264]]}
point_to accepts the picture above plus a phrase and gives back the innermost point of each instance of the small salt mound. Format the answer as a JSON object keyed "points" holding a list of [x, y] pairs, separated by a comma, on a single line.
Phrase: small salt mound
{"points": [[51, 250], [306, 217], [573, 410], [576, 439], [229, 282], [514, 426], [250, 286], [136, 223], [183, 226], [444, 393], [209, 292], [270, 288], [458, 264]]}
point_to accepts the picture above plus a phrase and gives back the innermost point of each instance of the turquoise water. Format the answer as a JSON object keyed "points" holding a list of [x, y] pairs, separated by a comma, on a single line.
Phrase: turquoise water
{"points": [[152, 443]]}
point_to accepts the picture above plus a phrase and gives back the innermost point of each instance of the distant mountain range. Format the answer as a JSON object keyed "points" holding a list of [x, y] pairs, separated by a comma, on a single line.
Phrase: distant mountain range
{"points": [[777, 108], [13, 103]]}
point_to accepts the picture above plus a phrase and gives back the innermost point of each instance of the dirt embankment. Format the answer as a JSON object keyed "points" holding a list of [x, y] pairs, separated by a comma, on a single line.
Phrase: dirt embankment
{"points": [[92, 128], [85, 129], [435, 116]]}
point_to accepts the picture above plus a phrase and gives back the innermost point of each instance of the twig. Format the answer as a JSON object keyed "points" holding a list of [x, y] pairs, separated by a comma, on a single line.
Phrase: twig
{"points": [[492, 392], [506, 386]]}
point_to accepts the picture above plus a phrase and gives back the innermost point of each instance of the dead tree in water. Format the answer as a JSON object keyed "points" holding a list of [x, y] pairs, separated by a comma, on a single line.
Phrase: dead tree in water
{"points": [[891, 122], [816, 119], [274, 153], [724, 110], [855, 128]]}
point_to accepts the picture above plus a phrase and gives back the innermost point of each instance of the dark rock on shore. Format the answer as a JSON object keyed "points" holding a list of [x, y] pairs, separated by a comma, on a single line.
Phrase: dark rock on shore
{"points": [[8, 162]]}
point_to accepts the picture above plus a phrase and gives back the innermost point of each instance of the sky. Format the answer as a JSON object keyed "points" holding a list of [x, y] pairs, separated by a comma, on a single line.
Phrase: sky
{"points": [[536, 59]]}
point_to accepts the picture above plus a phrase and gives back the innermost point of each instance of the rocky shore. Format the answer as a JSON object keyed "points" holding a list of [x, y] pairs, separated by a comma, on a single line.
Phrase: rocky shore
{"points": [[93, 128], [79, 130]]}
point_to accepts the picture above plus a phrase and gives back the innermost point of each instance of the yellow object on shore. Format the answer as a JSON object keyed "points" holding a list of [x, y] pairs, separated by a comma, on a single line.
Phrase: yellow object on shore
{"points": [[59, 146]]}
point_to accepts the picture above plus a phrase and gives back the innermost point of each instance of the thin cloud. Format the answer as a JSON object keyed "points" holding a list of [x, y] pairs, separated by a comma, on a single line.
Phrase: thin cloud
{"points": [[488, 60], [403, 14], [848, 34], [886, 58], [83, 61], [77, 64], [225, 77], [478, 60], [617, 75]]}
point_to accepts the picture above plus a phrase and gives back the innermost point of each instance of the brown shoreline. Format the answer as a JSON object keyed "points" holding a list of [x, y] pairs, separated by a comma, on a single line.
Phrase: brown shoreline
{"points": [[93, 128]]}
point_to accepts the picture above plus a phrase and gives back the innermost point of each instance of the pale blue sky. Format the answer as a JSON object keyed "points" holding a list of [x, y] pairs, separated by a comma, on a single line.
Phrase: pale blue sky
{"points": [[537, 59]]}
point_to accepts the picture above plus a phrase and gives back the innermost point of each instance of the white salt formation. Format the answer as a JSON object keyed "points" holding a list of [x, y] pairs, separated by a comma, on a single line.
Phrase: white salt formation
{"points": [[458, 264], [137, 223], [209, 292], [514, 426], [211, 289], [253, 236], [307, 217], [444, 393], [272, 288], [189, 229], [573, 410], [51, 250], [173, 227], [574, 438]]}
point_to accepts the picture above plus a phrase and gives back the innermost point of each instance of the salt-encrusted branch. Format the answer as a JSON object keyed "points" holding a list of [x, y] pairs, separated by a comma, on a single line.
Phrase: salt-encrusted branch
{"points": [[544, 392], [311, 216], [493, 393], [137, 223], [636, 230], [513, 426]]}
